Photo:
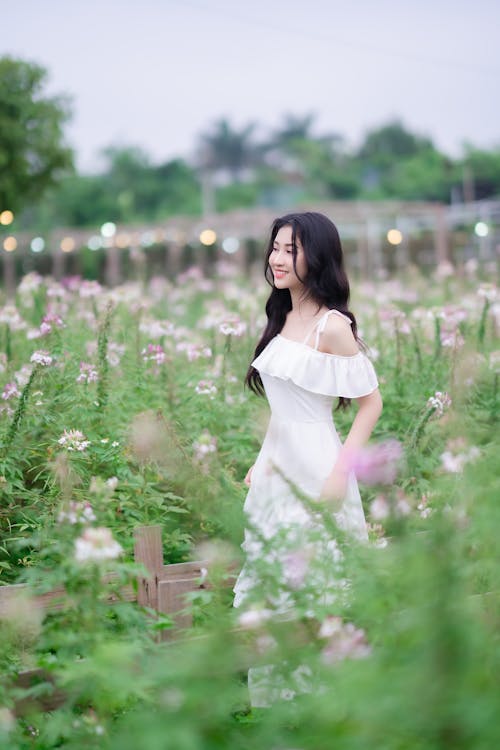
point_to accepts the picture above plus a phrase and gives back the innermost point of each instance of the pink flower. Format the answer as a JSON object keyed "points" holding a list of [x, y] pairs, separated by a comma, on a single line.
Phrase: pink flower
{"points": [[452, 339], [10, 391], [90, 289], [204, 445], [233, 326], [42, 358], [154, 353], [345, 641], [295, 566], [74, 440], [378, 463], [440, 402], [88, 373], [379, 508], [49, 322]]}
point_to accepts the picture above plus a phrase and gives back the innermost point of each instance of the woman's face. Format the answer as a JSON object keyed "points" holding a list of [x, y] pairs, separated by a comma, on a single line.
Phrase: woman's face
{"points": [[281, 261]]}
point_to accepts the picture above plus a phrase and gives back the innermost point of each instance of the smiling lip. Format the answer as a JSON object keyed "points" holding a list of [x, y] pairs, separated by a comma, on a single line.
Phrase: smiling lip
{"points": [[279, 274]]}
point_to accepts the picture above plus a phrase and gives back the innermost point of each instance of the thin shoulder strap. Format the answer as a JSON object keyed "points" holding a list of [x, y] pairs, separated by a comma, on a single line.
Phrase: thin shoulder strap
{"points": [[321, 324]]}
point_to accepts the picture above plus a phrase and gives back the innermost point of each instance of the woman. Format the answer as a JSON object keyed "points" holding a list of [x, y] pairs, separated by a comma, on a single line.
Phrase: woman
{"points": [[307, 356]]}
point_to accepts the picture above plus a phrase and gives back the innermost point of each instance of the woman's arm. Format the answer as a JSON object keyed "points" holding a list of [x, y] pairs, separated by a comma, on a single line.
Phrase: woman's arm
{"points": [[370, 408]]}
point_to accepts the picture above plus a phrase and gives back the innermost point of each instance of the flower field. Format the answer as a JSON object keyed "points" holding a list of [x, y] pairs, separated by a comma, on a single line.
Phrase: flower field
{"points": [[125, 407]]}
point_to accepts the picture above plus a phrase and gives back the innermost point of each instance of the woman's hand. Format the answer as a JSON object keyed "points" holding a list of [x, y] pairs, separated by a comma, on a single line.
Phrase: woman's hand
{"points": [[334, 489], [248, 478]]}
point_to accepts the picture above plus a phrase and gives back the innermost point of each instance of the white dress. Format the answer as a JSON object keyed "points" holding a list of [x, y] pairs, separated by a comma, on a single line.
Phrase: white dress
{"points": [[299, 451]]}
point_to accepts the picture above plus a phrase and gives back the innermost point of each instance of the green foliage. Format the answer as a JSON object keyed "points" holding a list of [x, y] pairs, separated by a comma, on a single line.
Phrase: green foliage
{"points": [[32, 152], [412, 656]]}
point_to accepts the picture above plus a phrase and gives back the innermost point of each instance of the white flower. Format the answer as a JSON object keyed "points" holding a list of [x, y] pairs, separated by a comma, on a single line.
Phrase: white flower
{"points": [[379, 508], [95, 545], [90, 289], [444, 270], [115, 353], [30, 283], [157, 329], [76, 513], [253, 618], [112, 483], [454, 461], [205, 445], [206, 388], [494, 361], [330, 626], [74, 440], [10, 315], [233, 326], [488, 292], [42, 358], [23, 375], [440, 402]]}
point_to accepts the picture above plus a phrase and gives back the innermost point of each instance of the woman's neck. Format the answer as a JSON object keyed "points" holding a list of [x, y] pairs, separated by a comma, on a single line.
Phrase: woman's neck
{"points": [[303, 307]]}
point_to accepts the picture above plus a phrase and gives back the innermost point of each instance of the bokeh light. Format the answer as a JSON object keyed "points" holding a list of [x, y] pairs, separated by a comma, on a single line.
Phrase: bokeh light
{"points": [[94, 243], [67, 244], [231, 245], [394, 236], [208, 237], [481, 229], [6, 218], [122, 240], [37, 244], [147, 239], [9, 244], [108, 229]]}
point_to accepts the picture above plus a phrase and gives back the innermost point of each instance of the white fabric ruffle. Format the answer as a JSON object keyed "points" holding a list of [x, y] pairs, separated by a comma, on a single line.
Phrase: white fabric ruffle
{"points": [[316, 371]]}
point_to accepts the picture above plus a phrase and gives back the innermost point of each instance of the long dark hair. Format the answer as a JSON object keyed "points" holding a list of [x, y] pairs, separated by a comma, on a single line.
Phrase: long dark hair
{"points": [[325, 281]]}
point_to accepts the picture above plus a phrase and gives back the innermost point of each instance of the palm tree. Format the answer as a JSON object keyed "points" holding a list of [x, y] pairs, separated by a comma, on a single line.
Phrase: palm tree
{"points": [[226, 149]]}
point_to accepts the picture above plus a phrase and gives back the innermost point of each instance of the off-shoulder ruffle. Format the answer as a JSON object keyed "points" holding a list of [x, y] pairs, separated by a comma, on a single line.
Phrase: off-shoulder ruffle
{"points": [[316, 371]]}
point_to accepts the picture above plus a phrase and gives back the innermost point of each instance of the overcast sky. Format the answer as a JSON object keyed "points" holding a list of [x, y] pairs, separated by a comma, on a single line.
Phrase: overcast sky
{"points": [[156, 73]]}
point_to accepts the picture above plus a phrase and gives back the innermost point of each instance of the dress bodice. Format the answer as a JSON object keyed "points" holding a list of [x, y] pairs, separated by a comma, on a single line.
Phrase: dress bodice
{"points": [[301, 382]]}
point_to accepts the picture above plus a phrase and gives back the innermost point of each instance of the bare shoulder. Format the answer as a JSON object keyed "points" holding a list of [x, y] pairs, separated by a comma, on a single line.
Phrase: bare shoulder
{"points": [[338, 338]]}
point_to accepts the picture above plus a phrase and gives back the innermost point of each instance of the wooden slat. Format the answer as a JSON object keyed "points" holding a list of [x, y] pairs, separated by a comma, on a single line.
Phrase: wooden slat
{"points": [[172, 601], [182, 570], [52, 601], [149, 552], [49, 702]]}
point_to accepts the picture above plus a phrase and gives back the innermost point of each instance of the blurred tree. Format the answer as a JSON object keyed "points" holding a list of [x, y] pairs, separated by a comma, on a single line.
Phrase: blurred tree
{"points": [[426, 176], [395, 163], [482, 169], [384, 145], [130, 189], [225, 149], [33, 155], [318, 163]]}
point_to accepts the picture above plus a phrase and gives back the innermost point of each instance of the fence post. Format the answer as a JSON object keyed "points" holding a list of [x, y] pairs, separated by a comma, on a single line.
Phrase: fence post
{"points": [[149, 552], [172, 601]]}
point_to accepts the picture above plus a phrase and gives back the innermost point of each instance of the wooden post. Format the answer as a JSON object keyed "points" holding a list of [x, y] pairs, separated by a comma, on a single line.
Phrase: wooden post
{"points": [[58, 264], [440, 236], [9, 275], [172, 601], [149, 552], [113, 271]]}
